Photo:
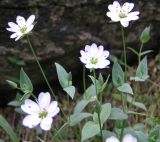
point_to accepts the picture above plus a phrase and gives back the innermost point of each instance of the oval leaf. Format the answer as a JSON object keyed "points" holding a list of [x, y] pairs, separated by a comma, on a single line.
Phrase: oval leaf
{"points": [[77, 117], [90, 129]]}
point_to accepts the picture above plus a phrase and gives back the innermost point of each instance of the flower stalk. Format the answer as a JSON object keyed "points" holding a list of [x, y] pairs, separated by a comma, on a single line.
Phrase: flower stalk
{"points": [[40, 67], [99, 120]]}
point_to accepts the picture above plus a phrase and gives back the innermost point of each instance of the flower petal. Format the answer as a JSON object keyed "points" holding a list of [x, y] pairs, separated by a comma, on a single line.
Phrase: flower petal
{"points": [[127, 7], [44, 99], [124, 23], [13, 26], [30, 107], [53, 109], [114, 16], [46, 123], [129, 138], [133, 16], [21, 21], [105, 54], [112, 139], [30, 20], [31, 121], [14, 35], [117, 7], [29, 29], [103, 63]]}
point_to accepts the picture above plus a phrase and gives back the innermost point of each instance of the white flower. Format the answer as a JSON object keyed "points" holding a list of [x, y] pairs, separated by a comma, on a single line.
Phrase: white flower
{"points": [[127, 138], [40, 112], [21, 27], [122, 13], [94, 57]]}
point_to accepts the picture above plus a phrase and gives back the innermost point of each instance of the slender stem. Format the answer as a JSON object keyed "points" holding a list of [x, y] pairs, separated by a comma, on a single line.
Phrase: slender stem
{"points": [[84, 79], [124, 51], [139, 55], [122, 130], [40, 67], [99, 120]]}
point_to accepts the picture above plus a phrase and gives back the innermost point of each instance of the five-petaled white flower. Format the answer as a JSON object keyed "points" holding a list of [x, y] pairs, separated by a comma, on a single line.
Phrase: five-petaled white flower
{"points": [[127, 138], [40, 112], [94, 57], [122, 13], [22, 27]]}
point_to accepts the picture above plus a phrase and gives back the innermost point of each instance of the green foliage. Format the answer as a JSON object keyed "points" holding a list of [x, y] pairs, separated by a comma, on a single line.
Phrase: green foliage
{"points": [[77, 117], [5, 126], [125, 88], [12, 84], [118, 79], [141, 136], [80, 106], [89, 130], [65, 80], [154, 135], [117, 75], [137, 104], [142, 71], [25, 82], [145, 35], [117, 114], [105, 112]]}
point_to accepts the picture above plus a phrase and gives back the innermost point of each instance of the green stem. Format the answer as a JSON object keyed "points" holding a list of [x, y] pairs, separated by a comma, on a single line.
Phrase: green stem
{"points": [[122, 130], [40, 67], [139, 55], [84, 79], [124, 52], [99, 120]]}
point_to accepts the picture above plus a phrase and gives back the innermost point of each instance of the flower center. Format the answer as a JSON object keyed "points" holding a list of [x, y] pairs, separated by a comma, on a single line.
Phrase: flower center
{"points": [[122, 15], [94, 60], [23, 30], [43, 114]]}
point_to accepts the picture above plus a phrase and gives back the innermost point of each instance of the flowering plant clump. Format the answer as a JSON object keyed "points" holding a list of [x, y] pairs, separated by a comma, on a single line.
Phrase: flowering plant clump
{"points": [[40, 112], [127, 138], [92, 105], [21, 27], [123, 13], [94, 57]]}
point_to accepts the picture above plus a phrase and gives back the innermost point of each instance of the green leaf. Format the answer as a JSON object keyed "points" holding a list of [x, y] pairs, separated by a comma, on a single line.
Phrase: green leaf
{"points": [[25, 82], [5, 126], [63, 76], [146, 52], [136, 113], [107, 134], [90, 92], [95, 118], [77, 117], [125, 88], [70, 91], [90, 129], [154, 134], [133, 50], [145, 35], [105, 84], [105, 112], [98, 83], [80, 106], [142, 71], [117, 114], [12, 84], [117, 75], [137, 104]]}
